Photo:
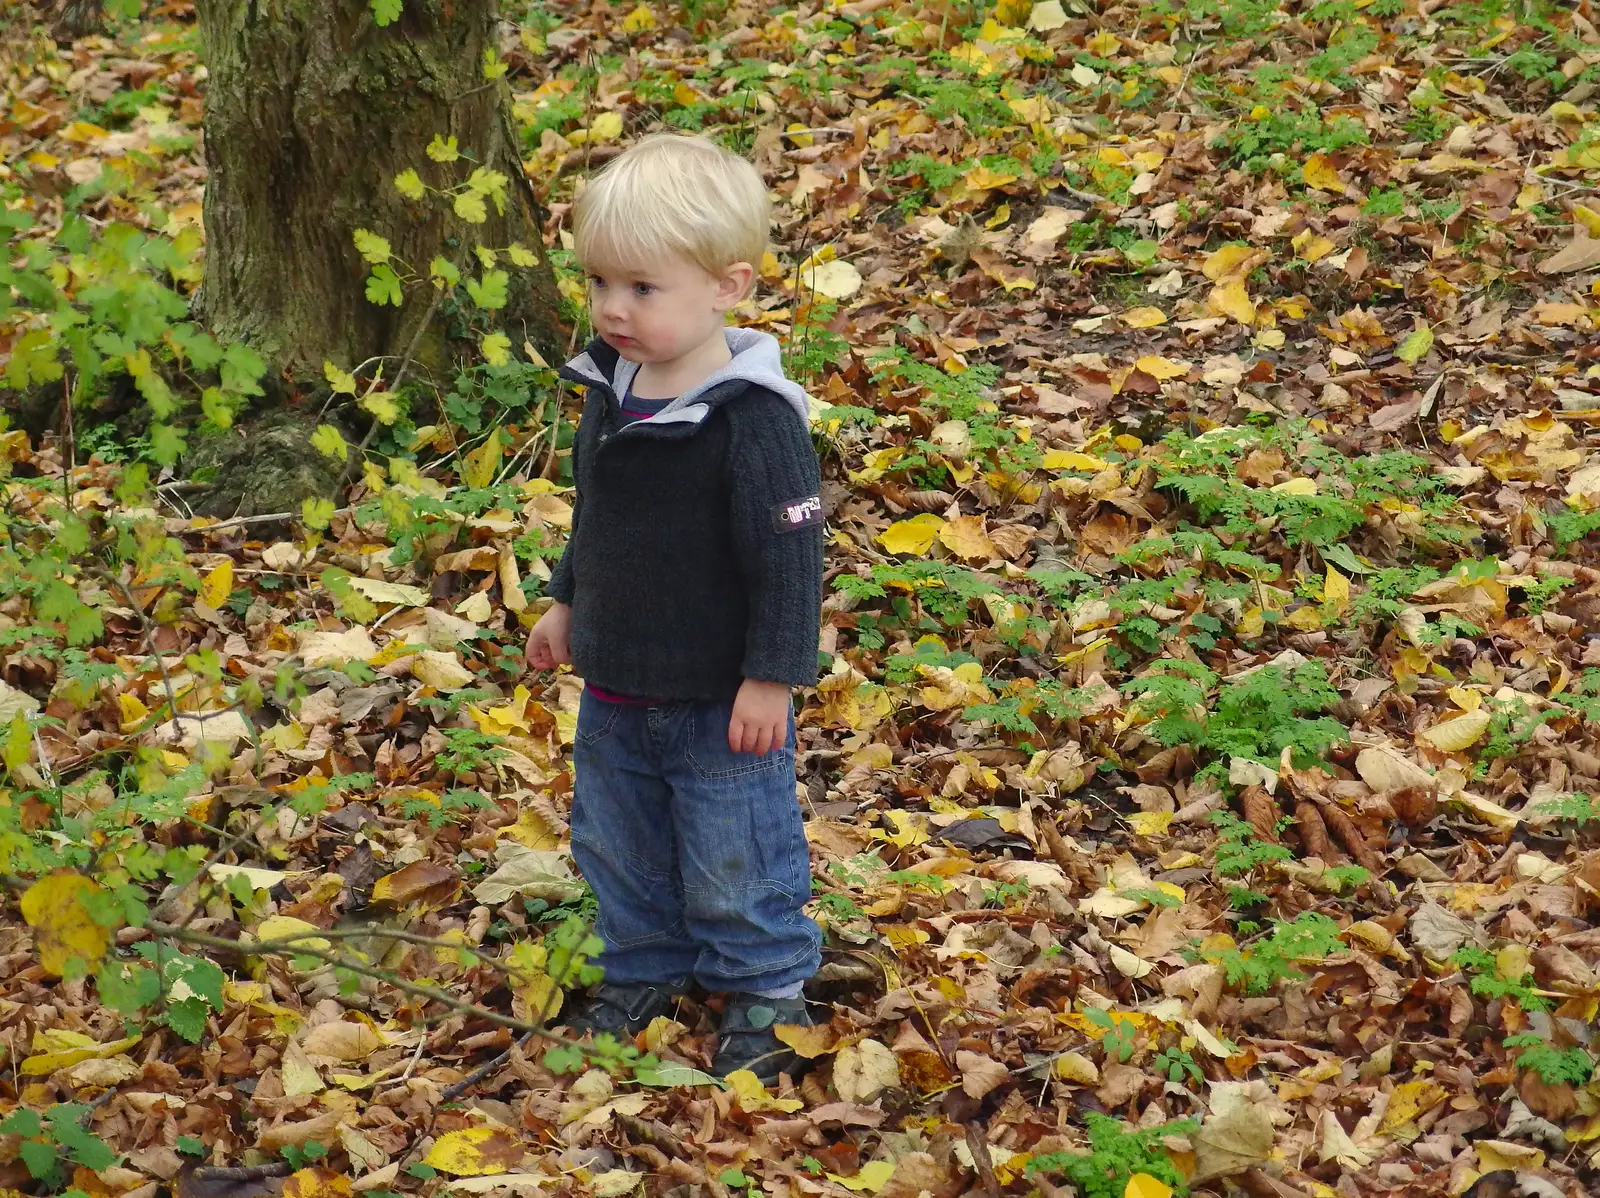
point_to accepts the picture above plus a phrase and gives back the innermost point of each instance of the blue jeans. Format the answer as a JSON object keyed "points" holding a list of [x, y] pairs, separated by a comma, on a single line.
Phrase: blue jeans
{"points": [[697, 854]]}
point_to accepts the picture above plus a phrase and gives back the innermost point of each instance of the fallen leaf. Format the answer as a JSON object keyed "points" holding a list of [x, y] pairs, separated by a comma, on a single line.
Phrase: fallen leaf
{"points": [[65, 935], [474, 1152]]}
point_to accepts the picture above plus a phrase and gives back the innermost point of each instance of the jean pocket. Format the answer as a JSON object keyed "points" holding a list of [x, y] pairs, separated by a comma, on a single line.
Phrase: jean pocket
{"points": [[712, 759], [596, 718]]}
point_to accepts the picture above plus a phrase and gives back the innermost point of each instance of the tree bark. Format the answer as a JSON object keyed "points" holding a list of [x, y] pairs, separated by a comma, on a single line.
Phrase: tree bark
{"points": [[311, 111]]}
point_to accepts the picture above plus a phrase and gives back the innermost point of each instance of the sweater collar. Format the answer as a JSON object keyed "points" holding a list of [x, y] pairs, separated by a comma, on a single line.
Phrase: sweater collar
{"points": [[757, 360]]}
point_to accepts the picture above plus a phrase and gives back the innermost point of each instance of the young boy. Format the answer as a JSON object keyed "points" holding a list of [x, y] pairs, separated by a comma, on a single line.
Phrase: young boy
{"points": [[688, 600]]}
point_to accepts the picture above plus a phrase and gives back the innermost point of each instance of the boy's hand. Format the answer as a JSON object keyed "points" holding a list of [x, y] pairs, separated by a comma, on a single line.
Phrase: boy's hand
{"points": [[548, 645], [760, 717]]}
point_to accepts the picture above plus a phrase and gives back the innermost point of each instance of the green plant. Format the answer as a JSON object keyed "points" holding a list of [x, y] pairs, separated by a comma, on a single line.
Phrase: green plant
{"points": [[1554, 1066], [60, 1136], [1239, 850], [1483, 968], [1177, 1064], [1117, 1044], [1115, 1154], [1261, 965], [1581, 809]]}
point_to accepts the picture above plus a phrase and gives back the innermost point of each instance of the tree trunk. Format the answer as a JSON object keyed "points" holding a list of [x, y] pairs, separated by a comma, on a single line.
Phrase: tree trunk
{"points": [[311, 111]]}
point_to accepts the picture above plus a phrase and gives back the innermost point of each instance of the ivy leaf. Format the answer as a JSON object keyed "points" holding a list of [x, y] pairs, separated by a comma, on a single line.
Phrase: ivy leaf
{"points": [[241, 370], [496, 348], [409, 184], [33, 360], [491, 290], [385, 12], [330, 442], [383, 286], [443, 149], [493, 65], [216, 407], [491, 183], [520, 255], [371, 247]]}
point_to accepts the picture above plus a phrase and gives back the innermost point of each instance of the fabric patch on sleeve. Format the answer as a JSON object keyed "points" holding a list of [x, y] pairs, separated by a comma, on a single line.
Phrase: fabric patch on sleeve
{"points": [[797, 514]]}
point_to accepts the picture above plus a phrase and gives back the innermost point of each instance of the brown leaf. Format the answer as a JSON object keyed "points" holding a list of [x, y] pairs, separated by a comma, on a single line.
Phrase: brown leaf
{"points": [[428, 882], [1313, 832], [1581, 253], [980, 1073], [1414, 805], [1261, 811], [1345, 828]]}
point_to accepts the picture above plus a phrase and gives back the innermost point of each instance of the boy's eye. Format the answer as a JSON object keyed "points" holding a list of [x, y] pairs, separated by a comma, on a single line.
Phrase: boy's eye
{"points": [[596, 281], [643, 288]]}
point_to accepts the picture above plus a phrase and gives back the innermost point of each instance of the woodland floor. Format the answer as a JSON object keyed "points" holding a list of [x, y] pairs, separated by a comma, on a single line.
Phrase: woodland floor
{"points": [[1208, 395]]}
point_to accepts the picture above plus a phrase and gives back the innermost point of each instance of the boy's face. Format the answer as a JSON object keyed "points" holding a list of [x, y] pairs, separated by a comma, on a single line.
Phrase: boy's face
{"points": [[664, 311]]}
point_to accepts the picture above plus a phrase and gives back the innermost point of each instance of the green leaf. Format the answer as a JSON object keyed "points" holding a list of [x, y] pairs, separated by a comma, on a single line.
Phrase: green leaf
{"points": [[469, 206], [190, 1146], [188, 1018], [491, 291], [496, 348], [1416, 345], [385, 12], [316, 512], [342, 382], [382, 405], [33, 360], [370, 246], [409, 184], [520, 255], [491, 183], [127, 988], [383, 286], [216, 407], [39, 1157], [242, 369], [329, 442], [493, 65], [21, 1122], [443, 149], [443, 268], [166, 444]]}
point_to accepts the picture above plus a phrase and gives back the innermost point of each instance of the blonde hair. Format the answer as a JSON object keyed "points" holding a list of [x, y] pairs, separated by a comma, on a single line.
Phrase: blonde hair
{"points": [[673, 194]]}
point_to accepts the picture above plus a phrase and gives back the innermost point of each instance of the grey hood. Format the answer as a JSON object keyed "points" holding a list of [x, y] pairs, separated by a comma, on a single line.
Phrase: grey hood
{"points": [[757, 359]]}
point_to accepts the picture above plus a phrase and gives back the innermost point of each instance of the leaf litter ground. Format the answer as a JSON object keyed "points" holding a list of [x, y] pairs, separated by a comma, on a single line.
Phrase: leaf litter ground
{"points": [[1199, 785]]}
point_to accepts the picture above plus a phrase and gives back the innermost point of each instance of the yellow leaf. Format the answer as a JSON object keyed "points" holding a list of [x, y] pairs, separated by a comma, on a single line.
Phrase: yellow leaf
{"points": [[217, 585], [65, 1054], [608, 125], [1150, 823], [1161, 368], [753, 1096], [965, 537], [63, 930], [1072, 459], [983, 179], [499, 721], [1320, 174], [639, 20], [474, 1152], [1409, 1101], [287, 927], [1336, 589], [1229, 263], [1047, 15], [1144, 318], [1588, 218], [1142, 1185], [478, 467], [1233, 301], [1075, 1067], [914, 536], [532, 830], [1313, 247], [1454, 735], [133, 711], [873, 1177], [1296, 486], [907, 831], [809, 1042], [317, 1182], [1497, 1155]]}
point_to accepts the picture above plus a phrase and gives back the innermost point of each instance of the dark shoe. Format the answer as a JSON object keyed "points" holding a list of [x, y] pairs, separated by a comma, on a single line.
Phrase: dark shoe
{"points": [[626, 1008], [745, 1039]]}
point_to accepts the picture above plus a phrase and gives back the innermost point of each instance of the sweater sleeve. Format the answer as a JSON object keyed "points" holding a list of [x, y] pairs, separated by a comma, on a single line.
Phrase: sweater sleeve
{"points": [[777, 530], [562, 585]]}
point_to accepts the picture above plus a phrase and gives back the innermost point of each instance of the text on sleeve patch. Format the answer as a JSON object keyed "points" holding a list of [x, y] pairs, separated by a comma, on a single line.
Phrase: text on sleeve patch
{"points": [[798, 513]]}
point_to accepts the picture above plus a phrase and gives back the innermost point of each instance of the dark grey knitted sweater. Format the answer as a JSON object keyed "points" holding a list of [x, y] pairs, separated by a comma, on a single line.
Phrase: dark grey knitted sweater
{"points": [[695, 559]]}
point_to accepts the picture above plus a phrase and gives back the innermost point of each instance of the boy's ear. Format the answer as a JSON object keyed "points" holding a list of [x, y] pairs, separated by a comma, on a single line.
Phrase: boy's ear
{"points": [[734, 283]]}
